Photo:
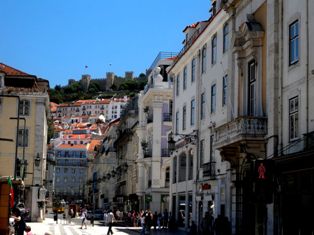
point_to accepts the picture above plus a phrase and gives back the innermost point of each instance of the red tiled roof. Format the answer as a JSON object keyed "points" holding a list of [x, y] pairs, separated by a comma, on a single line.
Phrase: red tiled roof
{"points": [[12, 71], [72, 146], [190, 26], [53, 107], [92, 145]]}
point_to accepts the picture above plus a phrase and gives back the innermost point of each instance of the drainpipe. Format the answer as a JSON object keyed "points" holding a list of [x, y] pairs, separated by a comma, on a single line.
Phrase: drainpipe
{"points": [[307, 68], [198, 89]]}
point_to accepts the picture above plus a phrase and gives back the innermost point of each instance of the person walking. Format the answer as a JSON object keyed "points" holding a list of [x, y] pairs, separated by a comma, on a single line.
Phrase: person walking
{"points": [[84, 215], [19, 223], [110, 219]]}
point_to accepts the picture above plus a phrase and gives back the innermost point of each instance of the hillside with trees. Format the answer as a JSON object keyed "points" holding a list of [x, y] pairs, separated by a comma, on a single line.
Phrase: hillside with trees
{"points": [[75, 90]]}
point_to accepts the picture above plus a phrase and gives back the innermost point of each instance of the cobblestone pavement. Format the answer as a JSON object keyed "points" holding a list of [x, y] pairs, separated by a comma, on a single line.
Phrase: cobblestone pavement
{"points": [[65, 228]]}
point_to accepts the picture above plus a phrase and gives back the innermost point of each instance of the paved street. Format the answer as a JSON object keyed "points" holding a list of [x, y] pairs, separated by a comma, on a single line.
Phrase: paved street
{"points": [[63, 228]]}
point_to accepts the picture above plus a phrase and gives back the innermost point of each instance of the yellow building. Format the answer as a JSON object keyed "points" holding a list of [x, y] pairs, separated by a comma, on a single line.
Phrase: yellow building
{"points": [[24, 105]]}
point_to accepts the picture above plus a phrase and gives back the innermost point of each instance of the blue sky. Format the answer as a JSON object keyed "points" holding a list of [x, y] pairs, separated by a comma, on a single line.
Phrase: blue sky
{"points": [[56, 39]]}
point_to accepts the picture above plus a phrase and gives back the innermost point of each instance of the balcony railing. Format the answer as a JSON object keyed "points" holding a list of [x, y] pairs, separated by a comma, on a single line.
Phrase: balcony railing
{"points": [[165, 152], [150, 118], [148, 153], [248, 128], [209, 169], [167, 117]]}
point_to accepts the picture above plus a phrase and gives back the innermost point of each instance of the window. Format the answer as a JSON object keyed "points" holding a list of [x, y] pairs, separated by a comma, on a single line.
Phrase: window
{"points": [[294, 42], [213, 99], [224, 90], [24, 107], [202, 106], [293, 118], [225, 38], [178, 85], [184, 78], [251, 88], [202, 142], [167, 176], [184, 118], [193, 66], [211, 152], [204, 59], [190, 167], [214, 49], [174, 170], [192, 112], [23, 138], [182, 168], [177, 122]]}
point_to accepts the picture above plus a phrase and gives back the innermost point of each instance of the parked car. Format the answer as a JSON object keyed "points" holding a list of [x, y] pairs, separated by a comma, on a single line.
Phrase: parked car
{"points": [[98, 214]]}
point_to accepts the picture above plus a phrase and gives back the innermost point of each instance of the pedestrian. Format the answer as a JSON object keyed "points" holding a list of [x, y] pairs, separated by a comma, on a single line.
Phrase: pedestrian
{"points": [[19, 223], [155, 217], [55, 217], [83, 217], [193, 229], [110, 219], [105, 218], [207, 224], [165, 219], [142, 219], [28, 230], [159, 219], [222, 225], [92, 220], [64, 219]]}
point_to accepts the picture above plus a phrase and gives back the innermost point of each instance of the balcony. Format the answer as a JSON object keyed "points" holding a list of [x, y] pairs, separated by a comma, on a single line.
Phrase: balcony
{"points": [[148, 153], [167, 117], [165, 152], [209, 169], [240, 129]]}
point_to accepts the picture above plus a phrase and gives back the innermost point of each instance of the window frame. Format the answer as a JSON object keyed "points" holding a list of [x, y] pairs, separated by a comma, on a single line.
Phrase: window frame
{"points": [[213, 98], [192, 112], [177, 122], [193, 69], [294, 41], [225, 40], [203, 106], [23, 142], [293, 118], [202, 145], [252, 85], [24, 108], [185, 78], [214, 49], [178, 85], [224, 89], [204, 56], [184, 117]]}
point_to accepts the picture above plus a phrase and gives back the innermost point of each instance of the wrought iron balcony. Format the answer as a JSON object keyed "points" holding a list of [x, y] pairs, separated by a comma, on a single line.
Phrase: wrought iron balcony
{"points": [[167, 117], [209, 169], [241, 128]]}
